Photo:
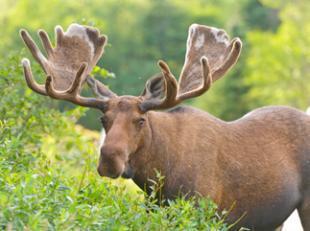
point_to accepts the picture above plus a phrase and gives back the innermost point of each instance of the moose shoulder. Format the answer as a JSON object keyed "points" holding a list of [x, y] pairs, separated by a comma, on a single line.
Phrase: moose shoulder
{"points": [[260, 163]]}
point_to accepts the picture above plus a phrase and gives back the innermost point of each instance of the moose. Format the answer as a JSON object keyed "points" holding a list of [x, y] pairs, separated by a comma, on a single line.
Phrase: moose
{"points": [[260, 162]]}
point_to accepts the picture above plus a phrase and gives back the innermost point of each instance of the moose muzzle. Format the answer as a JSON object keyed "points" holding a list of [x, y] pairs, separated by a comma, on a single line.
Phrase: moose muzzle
{"points": [[111, 162]]}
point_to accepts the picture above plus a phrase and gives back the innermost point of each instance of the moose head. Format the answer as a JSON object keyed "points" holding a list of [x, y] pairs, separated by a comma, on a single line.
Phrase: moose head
{"points": [[68, 65]]}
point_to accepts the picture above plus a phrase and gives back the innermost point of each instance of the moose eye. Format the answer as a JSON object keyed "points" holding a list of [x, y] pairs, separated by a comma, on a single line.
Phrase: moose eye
{"points": [[140, 122]]}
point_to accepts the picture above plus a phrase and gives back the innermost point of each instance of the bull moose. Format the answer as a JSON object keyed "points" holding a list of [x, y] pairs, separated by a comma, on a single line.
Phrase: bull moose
{"points": [[260, 162]]}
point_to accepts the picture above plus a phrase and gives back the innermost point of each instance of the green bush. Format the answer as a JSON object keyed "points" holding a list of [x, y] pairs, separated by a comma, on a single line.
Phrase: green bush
{"points": [[48, 179]]}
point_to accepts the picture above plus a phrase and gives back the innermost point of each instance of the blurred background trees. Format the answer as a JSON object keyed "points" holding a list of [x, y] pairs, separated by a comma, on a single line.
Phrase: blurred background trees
{"points": [[273, 68]]}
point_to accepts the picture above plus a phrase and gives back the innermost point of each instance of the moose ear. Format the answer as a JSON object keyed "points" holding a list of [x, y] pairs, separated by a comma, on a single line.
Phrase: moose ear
{"points": [[154, 88]]}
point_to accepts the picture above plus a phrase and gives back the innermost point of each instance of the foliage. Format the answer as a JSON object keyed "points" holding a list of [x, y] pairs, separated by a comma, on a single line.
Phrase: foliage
{"points": [[48, 179], [278, 63]]}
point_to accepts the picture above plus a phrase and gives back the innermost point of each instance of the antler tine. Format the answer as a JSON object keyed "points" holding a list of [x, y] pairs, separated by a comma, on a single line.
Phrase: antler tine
{"points": [[170, 89], [74, 89], [206, 81], [32, 84], [59, 34], [46, 42], [171, 86], [35, 51], [100, 42], [72, 94], [231, 59]]}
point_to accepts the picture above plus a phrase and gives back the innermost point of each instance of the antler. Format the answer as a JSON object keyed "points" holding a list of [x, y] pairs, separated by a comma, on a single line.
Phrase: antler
{"points": [[67, 65], [209, 55]]}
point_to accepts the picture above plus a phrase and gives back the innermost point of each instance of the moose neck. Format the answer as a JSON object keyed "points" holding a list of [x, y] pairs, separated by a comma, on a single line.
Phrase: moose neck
{"points": [[174, 152]]}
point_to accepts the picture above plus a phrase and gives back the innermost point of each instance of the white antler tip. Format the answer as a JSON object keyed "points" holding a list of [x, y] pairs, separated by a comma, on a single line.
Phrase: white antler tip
{"points": [[238, 41], [22, 32], [25, 62], [58, 28], [41, 31], [204, 60], [74, 24], [75, 29], [163, 65], [84, 65], [193, 26]]}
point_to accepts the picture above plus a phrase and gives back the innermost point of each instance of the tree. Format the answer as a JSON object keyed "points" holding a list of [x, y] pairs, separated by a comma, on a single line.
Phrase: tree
{"points": [[278, 63]]}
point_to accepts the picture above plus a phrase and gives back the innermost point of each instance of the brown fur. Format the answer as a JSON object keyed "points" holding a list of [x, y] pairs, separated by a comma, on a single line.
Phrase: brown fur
{"points": [[260, 162]]}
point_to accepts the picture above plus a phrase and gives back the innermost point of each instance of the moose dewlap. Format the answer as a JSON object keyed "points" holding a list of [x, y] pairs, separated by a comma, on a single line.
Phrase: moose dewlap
{"points": [[260, 163]]}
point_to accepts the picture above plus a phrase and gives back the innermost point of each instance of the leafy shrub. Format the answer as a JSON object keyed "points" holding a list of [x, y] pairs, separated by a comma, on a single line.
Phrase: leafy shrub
{"points": [[48, 179]]}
